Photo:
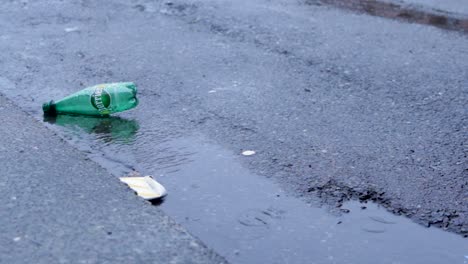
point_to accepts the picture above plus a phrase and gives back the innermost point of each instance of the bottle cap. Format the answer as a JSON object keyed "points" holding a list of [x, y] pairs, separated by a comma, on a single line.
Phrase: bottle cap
{"points": [[49, 108], [131, 86]]}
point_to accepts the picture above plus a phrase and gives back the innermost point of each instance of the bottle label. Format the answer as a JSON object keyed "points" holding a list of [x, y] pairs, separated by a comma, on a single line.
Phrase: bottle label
{"points": [[101, 100]]}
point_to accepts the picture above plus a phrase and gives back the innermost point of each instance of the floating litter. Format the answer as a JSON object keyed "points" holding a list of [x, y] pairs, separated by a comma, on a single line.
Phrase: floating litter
{"points": [[71, 29], [145, 187], [248, 152]]}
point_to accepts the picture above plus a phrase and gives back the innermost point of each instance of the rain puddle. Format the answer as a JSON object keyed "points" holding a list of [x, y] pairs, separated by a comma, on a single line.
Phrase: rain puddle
{"points": [[405, 12], [247, 218]]}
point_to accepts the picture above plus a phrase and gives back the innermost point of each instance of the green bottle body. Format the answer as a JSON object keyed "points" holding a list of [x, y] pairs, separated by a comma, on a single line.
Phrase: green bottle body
{"points": [[98, 100]]}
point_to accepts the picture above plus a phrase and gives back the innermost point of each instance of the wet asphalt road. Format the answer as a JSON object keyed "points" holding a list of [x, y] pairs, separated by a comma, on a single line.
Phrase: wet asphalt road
{"points": [[58, 206], [336, 104]]}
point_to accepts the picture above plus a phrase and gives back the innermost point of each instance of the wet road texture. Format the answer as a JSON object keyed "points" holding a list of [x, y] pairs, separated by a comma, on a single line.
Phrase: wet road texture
{"points": [[359, 114]]}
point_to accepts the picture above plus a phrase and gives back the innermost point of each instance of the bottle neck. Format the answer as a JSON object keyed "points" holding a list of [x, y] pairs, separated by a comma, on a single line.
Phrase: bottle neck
{"points": [[49, 108]]}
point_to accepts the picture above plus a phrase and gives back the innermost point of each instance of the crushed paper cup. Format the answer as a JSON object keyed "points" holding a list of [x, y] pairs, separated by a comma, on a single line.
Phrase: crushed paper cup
{"points": [[145, 187]]}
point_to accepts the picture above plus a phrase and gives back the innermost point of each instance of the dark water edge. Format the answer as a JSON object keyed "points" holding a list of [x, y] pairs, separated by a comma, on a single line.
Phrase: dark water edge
{"points": [[412, 14], [247, 218]]}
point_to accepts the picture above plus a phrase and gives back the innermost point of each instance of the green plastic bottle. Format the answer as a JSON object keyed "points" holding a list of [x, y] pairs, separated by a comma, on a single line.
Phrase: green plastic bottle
{"points": [[98, 100]]}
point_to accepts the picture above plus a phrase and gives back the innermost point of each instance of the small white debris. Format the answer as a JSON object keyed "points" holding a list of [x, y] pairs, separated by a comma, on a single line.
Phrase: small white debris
{"points": [[145, 187], [71, 29], [193, 245], [16, 239], [248, 152], [212, 91]]}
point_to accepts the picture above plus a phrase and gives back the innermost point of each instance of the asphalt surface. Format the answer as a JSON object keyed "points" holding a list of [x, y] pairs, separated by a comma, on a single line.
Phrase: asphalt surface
{"points": [[338, 105], [60, 207]]}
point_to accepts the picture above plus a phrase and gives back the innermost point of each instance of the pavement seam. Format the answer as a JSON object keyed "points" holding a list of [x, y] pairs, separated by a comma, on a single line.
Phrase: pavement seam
{"points": [[400, 11]]}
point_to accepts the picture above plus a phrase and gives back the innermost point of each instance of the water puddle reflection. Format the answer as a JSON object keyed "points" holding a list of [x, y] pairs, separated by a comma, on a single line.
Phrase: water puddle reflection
{"points": [[247, 218], [109, 130]]}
